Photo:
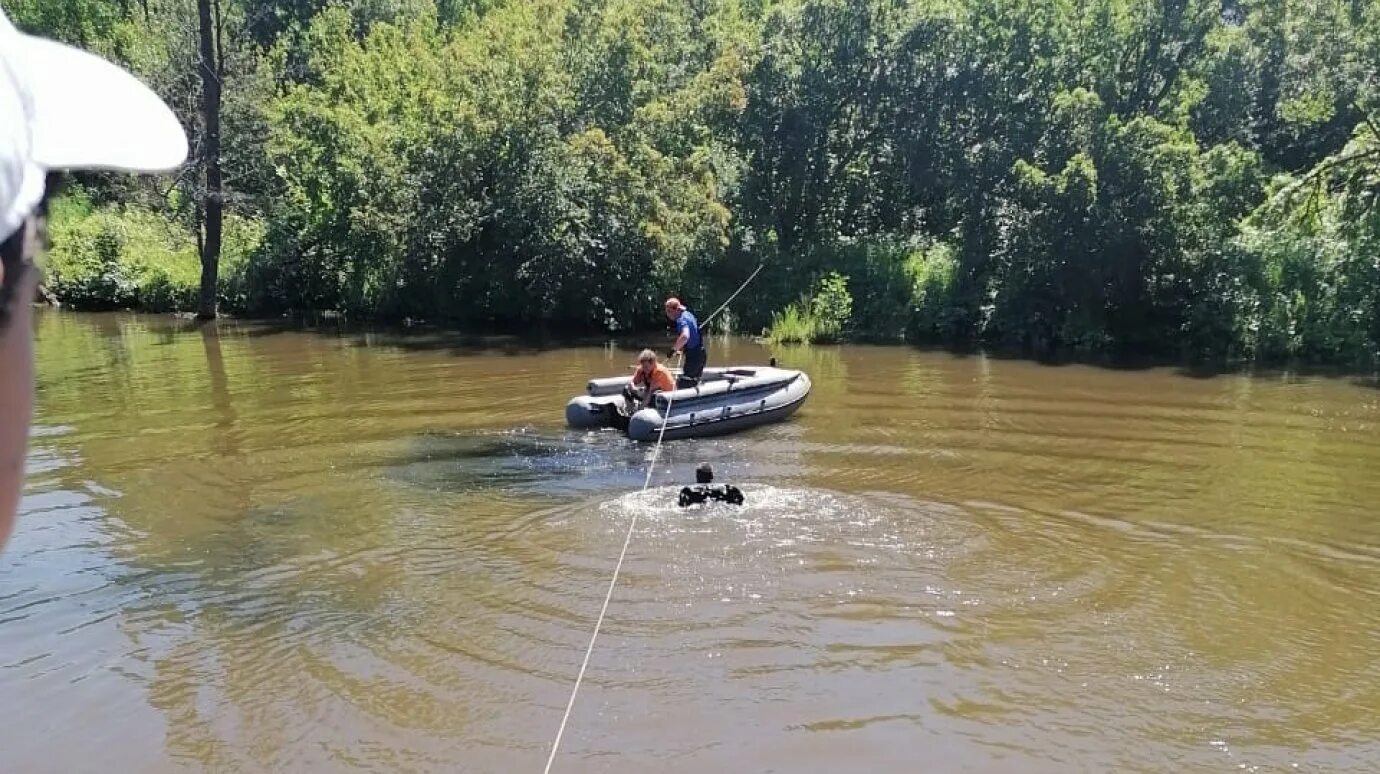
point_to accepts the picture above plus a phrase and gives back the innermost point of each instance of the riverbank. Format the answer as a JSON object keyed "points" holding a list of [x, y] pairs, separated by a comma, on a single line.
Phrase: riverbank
{"points": [[903, 170], [110, 257], [422, 335]]}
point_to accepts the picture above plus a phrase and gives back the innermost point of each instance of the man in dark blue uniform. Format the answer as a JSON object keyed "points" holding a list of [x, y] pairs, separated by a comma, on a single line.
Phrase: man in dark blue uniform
{"points": [[688, 342]]}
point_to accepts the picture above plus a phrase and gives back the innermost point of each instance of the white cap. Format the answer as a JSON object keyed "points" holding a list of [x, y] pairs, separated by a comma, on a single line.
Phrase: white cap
{"points": [[62, 108]]}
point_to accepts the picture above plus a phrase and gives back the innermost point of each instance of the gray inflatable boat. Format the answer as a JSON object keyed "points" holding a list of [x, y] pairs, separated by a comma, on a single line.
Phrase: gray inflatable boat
{"points": [[727, 400]]}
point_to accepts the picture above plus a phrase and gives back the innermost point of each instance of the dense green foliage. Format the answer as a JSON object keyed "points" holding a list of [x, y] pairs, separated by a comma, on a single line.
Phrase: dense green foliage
{"points": [[113, 257], [821, 317], [1177, 178]]}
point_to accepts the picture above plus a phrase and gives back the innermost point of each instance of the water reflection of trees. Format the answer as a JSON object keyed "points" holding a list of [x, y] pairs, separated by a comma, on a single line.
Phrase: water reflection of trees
{"points": [[249, 543]]}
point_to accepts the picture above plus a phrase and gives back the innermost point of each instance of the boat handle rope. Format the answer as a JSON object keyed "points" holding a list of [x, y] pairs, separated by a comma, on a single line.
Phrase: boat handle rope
{"points": [[627, 539]]}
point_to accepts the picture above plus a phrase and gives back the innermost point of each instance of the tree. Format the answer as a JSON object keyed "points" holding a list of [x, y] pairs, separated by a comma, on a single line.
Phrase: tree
{"points": [[211, 65]]}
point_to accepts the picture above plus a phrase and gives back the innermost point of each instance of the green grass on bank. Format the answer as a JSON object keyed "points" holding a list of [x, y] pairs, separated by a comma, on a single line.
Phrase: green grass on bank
{"points": [[114, 257]]}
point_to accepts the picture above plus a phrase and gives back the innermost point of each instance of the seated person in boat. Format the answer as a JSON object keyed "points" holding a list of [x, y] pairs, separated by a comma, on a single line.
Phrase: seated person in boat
{"points": [[650, 378], [704, 490]]}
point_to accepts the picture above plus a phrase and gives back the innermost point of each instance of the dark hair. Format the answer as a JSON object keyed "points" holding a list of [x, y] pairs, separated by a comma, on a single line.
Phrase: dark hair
{"points": [[12, 250], [12, 260]]}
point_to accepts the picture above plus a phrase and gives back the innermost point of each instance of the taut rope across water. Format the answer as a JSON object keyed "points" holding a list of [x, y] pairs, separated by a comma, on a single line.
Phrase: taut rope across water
{"points": [[617, 568], [627, 539]]}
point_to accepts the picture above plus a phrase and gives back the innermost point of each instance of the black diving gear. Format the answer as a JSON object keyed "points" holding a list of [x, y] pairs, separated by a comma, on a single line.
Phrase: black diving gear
{"points": [[725, 493], [704, 490]]}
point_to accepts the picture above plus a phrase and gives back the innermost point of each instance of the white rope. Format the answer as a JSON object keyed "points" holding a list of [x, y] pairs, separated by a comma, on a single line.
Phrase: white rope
{"points": [[617, 568], [627, 539], [740, 289]]}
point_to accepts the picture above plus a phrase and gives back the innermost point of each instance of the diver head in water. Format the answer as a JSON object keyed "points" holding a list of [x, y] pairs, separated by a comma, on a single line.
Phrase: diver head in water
{"points": [[705, 490]]}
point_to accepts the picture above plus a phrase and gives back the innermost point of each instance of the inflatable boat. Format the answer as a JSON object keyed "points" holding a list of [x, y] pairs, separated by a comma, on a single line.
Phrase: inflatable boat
{"points": [[725, 401]]}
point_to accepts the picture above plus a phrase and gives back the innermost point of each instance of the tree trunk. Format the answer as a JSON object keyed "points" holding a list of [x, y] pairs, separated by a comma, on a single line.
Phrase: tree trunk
{"points": [[213, 201]]}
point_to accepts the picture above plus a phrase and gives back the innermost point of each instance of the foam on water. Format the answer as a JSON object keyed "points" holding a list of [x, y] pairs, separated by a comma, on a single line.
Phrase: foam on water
{"points": [[761, 502], [785, 516]]}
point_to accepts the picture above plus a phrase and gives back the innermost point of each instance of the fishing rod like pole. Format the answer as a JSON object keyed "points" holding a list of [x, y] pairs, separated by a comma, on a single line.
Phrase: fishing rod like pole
{"points": [[740, 289]]}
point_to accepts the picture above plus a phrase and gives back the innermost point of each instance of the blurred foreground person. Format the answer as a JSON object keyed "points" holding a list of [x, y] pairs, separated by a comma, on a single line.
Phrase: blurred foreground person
{"points": [[60, 108]]}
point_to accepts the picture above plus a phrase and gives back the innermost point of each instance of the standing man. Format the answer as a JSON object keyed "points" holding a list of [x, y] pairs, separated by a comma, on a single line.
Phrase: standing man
{"points": [[60, 108], [688, 343]]}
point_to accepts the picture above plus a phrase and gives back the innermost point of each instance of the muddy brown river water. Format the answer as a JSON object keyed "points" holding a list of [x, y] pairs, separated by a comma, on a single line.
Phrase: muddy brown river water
{"points": [[256, 549]]}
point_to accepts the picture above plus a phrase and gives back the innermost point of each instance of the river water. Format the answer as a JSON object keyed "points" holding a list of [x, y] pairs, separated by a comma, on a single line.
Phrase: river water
{"points": [[256, 549]]}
